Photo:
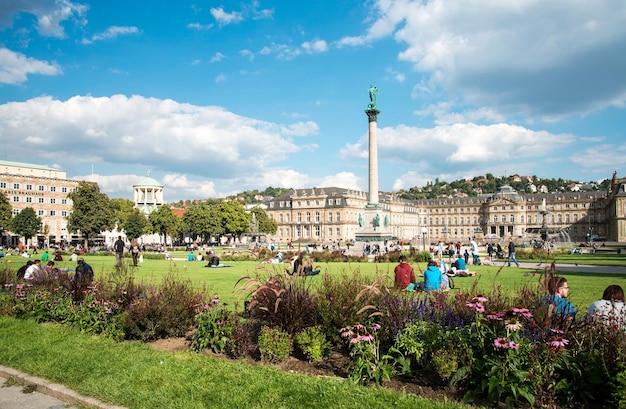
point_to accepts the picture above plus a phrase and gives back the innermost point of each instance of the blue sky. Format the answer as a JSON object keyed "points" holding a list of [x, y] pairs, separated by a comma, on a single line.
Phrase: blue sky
{"points": [[214, 98]]}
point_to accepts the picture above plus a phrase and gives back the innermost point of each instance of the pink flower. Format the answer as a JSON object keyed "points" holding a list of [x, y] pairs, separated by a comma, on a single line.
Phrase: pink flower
{"points": [[375, 327], [501, 343], [480, 298], [524, 312], [513, 345], [495, 316], [558, 342], [513, 325], [477, 306]]}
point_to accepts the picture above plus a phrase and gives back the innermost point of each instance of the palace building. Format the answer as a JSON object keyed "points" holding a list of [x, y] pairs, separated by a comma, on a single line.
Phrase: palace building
{"points": [[326, 215]]}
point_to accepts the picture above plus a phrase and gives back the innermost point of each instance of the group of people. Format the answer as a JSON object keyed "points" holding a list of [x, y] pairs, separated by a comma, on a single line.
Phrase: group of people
{"points": [[33, 271], [608, 310], [135, 250], [302, 268]]}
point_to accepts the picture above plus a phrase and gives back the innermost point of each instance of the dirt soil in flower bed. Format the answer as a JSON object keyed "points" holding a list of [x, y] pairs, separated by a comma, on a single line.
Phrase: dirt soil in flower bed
{"points": [[333, 366]]}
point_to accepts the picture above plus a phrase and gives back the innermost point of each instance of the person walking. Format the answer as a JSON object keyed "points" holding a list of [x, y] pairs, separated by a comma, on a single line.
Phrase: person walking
{"points": [[118, 247], [135, 252], [512, 253]]}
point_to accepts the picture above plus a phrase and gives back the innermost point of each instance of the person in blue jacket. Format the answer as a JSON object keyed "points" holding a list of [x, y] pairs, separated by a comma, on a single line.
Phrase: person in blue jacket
{"points": [[432, 277]]}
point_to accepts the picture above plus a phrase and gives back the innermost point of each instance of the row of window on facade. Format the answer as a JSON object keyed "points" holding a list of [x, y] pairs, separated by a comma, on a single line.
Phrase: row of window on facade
{"points": [[39, 188], [307, 217], [40, 212], [305, 232], [330, 202], [40, 200], [511, 219]]}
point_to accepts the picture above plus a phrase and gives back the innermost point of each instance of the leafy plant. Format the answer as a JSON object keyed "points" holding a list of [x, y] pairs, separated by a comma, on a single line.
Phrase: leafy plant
{"points": [[274, 345], [366, 363], [313, 344], [215, 327]]}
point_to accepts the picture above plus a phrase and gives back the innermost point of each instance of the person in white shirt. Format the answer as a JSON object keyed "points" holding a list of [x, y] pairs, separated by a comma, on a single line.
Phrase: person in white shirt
{"points": [[610, 309], [32, 270]]}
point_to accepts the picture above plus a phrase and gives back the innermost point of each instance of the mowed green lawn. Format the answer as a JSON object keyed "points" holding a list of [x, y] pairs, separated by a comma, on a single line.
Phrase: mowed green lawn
{"points": [[586, 287]]}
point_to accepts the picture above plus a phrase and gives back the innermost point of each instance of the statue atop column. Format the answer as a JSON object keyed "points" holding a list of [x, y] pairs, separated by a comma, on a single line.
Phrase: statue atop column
{"points": [[373, 90]]}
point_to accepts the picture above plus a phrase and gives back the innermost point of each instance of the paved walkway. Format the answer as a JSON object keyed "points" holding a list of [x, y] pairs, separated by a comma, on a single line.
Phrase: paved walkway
{"points": [[29, 392]]}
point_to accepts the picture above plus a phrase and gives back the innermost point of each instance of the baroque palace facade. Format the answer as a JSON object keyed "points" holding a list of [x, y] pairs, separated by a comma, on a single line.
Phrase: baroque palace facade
{"points": [[326, 215]]}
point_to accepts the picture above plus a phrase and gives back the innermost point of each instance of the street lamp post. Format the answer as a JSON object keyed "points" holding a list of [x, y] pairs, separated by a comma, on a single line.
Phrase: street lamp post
{"points": [[424, 231]]}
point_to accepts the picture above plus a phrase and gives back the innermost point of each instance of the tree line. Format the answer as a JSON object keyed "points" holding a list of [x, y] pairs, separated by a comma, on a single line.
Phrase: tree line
{"points": [[93, 212]]}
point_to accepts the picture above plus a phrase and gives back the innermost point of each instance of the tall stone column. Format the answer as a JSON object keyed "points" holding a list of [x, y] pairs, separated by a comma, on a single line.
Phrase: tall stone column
{"points": [[372, 115]]}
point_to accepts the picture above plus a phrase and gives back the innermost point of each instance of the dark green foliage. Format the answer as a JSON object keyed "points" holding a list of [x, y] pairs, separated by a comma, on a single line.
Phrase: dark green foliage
{"points": [[26, 223]]}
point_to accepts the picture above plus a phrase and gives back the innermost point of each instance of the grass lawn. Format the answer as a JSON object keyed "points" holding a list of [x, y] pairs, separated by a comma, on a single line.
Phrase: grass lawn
{"points": [[586, 287], [136, 376]]}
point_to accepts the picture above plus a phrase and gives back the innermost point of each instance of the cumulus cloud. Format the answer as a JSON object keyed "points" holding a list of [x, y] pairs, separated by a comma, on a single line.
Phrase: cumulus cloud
{"points": [[461, 149], [49, 14], [224, 18], [15, 67], [539, 59], [111, 33], [200, 142]]}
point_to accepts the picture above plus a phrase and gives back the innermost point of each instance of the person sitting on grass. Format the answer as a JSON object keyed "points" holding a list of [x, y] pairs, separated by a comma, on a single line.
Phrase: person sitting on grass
{"points": [[404, 275], [432, 277], [610, 309], [556, 301], [308, 269]]}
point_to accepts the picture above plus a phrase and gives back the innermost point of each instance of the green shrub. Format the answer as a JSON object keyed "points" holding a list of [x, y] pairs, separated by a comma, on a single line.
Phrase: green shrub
{"points": [[274, 345], [313, 344]]}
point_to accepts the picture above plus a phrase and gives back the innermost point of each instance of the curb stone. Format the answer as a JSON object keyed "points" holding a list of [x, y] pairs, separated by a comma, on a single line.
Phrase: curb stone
{"points": [[55, 390]]}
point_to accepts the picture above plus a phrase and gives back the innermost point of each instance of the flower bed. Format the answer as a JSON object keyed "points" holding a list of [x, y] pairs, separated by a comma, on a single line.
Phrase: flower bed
{"points": [[498, 347]]}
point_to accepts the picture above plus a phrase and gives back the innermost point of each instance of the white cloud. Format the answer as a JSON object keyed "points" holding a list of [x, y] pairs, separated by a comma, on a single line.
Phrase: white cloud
{"points": [[221, 78], [224, 18], [346, 180], [15, 67], [204, 142], [50, 14], [112, 32], [537, 59], [217, 57], [198, 26], [461, 147]]}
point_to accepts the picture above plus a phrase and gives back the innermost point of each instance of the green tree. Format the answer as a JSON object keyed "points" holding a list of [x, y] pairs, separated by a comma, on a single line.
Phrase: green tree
{"points": [[164, 222], [92, 212], [6, 215], [123, 209], [199, 221], [135, 224], [234, 219], [266, 224], [26, 223]]}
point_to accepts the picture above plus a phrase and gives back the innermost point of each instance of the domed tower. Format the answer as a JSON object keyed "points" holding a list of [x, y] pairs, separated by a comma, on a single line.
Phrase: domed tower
{"points": [[148, 195]]}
